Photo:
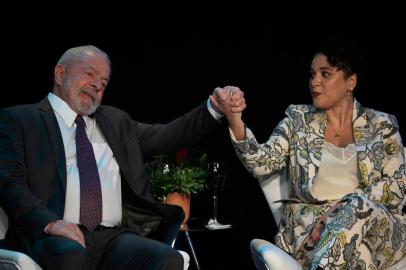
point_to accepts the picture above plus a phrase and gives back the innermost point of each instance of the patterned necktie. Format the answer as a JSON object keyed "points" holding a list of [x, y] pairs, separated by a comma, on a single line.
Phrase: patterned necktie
{"points": [[90, 189]]}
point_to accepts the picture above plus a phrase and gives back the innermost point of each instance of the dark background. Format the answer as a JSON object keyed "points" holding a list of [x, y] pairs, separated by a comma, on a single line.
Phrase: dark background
{"points": [[168, 58]]}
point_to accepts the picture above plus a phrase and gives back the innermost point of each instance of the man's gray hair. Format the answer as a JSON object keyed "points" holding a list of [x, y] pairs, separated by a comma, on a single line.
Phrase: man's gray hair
{"points": [[81, 53]]}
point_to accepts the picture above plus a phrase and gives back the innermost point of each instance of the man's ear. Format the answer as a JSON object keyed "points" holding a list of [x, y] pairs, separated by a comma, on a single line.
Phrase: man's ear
{"points": [[59, 72]]}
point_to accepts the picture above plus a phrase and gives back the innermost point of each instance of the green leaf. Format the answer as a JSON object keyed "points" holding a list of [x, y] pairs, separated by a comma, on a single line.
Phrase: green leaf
{"points": [[164, 176]]}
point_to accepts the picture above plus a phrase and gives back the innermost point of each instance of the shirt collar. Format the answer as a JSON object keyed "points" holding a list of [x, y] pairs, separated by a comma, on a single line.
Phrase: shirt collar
{"points": [[63, 110]]}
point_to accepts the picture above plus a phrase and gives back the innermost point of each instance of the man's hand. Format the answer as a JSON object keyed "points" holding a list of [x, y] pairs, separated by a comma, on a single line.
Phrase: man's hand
{"points": [[66, 229]]}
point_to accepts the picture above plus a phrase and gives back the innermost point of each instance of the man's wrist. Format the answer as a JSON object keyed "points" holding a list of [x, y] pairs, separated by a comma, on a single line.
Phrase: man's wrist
{"points": [[216, 115]]}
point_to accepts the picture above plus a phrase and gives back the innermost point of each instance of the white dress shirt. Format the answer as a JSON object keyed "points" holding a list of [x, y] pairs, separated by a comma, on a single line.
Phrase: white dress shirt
{"points": [[106, 163]]}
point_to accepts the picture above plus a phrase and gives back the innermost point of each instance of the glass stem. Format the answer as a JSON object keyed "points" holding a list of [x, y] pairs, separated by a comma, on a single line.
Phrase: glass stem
{"points": [[215, 197]]}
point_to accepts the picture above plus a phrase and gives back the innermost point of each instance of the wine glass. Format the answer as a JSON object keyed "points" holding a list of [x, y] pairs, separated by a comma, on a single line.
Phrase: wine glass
{"points": [[215, 183]]}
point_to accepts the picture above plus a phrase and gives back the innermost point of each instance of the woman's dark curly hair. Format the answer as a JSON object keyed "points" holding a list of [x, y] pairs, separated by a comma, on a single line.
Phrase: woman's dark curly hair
{"points": [[345, 55]]}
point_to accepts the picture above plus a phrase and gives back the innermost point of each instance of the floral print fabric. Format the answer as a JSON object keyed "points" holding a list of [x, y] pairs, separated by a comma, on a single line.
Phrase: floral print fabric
{"points": [[368, 231]]}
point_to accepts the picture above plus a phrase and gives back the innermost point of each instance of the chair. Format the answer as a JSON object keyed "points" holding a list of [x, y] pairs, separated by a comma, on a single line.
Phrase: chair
{"points": [[268, 256], [10, 260], [13, 260]]}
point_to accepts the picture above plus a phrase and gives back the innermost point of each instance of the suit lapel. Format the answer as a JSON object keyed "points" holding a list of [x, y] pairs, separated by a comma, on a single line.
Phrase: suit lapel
{"points": [[113, 141], [55, 136]]}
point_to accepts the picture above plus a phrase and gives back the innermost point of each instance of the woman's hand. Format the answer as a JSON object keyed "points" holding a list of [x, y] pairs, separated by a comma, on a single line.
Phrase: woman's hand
{"points": [[318, 227]]}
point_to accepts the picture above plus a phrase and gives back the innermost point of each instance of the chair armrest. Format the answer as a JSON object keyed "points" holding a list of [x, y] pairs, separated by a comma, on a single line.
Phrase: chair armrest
{"points": [[16, 260], [275, 188], [3, 223], [268, 256], [186, 259]]}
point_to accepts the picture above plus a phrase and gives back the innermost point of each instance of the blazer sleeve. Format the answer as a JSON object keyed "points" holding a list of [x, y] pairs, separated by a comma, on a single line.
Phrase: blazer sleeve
{"points": [[180, 132], [262, 160]]}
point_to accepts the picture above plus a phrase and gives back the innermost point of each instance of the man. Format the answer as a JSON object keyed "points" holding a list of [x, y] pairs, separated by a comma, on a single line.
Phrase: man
{"points": [[72, 175]]}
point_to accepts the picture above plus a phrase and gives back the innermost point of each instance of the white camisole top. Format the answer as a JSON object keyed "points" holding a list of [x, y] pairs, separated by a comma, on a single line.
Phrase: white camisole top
{"points": [[338, 172]]}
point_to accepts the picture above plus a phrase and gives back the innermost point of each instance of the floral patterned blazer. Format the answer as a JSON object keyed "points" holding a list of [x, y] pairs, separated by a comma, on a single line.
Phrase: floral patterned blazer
{"points": [[297, 143]]}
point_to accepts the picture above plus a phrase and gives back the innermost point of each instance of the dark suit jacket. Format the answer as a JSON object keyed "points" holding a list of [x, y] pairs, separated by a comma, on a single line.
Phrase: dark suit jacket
{"points": [[33, 167]]}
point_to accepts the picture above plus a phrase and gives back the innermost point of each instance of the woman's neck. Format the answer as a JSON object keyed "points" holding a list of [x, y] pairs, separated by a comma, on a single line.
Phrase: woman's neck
{"points": [[339, 124], [341, 115]]}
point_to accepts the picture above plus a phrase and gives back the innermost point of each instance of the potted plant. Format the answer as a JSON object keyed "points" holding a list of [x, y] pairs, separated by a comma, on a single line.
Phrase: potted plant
{"points": [[173, 179]]}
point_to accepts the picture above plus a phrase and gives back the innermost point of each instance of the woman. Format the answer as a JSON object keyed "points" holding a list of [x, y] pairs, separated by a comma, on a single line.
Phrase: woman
{"points": [[346, 165]]}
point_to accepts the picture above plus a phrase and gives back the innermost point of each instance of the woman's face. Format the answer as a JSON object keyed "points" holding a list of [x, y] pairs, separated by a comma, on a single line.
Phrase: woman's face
{"points": [[328, 86]]}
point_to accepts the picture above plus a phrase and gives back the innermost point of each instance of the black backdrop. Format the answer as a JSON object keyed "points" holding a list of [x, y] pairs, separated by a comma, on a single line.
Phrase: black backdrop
{"points": [[167, 59]]}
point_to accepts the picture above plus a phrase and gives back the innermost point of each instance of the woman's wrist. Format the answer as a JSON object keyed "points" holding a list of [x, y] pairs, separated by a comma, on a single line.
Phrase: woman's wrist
{"points": [[238, 129]]}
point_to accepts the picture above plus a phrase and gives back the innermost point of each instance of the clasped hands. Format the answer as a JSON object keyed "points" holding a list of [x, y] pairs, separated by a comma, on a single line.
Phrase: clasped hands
{"points": [[228, 100]]}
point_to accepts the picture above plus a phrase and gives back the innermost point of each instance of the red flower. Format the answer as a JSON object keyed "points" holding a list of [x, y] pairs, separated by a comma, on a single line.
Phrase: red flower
{"points": [[181, 155]]}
